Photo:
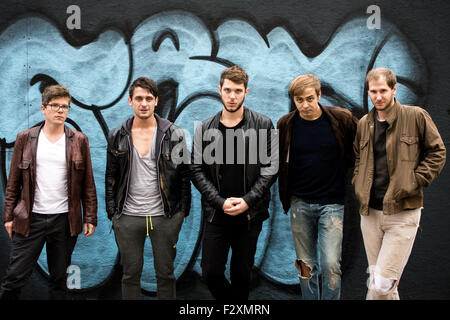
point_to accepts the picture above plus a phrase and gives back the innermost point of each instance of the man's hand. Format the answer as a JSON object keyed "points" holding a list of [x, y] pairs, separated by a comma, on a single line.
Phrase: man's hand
{"points": [[9, 227], [235, 206], [228, 204], [89, 229]]}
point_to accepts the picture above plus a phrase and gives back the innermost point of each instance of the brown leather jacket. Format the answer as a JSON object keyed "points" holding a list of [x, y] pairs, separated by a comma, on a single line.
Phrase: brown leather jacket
{"points": [[343, 124], [415, 156], [20, 188]]}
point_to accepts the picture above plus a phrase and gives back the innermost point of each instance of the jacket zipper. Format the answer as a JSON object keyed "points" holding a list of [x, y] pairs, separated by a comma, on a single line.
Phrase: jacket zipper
{"points": [[371, 128], [128, 178], [387, 163], [160, 182], [245, 181], [117, 153], [218, 189], [164, 191]]}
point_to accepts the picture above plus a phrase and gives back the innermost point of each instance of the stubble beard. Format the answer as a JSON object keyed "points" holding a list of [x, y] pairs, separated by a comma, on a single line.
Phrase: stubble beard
{"points": [[386, 106], [233, 110]]}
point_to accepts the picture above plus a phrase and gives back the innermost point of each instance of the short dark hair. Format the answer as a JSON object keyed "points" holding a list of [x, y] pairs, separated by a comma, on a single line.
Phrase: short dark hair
{"points": [[54, 91], [375, 74], [145, 83], [235, 74]]}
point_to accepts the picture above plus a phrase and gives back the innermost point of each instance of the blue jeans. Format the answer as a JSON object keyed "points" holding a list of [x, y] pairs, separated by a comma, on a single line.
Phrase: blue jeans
{"points": [[317, 231]]}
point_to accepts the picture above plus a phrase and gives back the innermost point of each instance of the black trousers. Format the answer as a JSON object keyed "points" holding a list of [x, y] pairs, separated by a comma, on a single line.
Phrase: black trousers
{"points": [[52, 230], [217, 241]]}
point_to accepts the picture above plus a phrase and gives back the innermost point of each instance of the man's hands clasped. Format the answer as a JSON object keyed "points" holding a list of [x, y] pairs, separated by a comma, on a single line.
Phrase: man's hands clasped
{"points": [[234, 206]]}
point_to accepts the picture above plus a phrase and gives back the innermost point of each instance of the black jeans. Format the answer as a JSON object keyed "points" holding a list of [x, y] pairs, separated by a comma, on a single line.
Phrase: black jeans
{"points": [[52, 229], [217, 241]]}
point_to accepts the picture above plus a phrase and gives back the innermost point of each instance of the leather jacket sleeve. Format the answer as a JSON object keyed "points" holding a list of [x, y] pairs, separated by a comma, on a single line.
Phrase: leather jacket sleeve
{"points": [[13, 186], [268, 172], [89, 195], [184, 172], [112, 170], [185, 190], [200, 180]]}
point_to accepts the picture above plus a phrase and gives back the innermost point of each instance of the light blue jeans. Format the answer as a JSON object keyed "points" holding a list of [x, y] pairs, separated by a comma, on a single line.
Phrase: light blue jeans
{"points": [[317, 231]]}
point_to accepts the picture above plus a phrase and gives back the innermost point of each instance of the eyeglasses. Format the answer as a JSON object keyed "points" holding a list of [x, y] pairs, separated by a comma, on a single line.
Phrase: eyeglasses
{"points": [[56, 107]]}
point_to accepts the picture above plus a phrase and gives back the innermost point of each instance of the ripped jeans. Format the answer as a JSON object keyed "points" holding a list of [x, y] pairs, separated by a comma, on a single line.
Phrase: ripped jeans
{"points": [[317, 231]]}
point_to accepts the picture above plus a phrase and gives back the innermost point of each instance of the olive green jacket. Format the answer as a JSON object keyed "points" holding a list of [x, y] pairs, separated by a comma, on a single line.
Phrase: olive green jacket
{"points": [[415, 156]]}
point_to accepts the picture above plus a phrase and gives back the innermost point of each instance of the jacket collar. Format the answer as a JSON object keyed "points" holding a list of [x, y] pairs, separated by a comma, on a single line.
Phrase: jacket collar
{"points": [[34, 136], [162, 124], [390, 117], [36, 130], [216, 120], [329, 116], [296, 113]]}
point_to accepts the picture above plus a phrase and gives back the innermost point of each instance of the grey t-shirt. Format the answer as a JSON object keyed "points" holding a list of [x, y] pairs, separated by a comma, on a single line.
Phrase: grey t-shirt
{"points": [[144, 197]]}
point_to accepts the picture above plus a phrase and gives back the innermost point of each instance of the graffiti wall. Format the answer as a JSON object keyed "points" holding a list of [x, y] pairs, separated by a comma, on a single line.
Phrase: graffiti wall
{"points": [[97, 51]]}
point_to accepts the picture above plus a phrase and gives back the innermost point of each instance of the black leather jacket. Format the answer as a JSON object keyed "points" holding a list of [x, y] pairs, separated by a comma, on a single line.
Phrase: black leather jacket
{"points": [[258, 177], [173, 179]]}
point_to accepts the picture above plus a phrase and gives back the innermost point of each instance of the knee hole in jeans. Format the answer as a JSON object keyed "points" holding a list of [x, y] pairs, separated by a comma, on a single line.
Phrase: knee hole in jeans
{"points": [[303, 269], [382, 285]]}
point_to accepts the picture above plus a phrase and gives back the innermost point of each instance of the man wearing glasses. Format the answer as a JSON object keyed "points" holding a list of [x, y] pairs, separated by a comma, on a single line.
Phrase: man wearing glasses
{"points": [[50, 179]]}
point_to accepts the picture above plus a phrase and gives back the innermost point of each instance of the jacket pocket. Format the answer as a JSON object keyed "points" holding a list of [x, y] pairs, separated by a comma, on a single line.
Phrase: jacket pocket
{"points": [[20, 222], [25, 170], [119, 153], [409, 148], [77, 177], [407, 186], [363, 144], [363, 153], [363, 156]]}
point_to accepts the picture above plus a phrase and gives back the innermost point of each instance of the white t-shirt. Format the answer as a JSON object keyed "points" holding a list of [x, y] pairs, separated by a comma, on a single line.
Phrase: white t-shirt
{"points": [[51, 195]]}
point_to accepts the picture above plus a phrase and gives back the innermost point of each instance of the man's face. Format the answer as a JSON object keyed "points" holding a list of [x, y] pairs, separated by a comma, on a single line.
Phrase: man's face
{"points": [[233, 95], [56, 110], [381, 95], [308, 104], [143, 103]]}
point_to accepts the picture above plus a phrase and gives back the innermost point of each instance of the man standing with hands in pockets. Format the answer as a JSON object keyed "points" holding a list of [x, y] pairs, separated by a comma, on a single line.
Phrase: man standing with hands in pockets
{"points": [[398, 151]]}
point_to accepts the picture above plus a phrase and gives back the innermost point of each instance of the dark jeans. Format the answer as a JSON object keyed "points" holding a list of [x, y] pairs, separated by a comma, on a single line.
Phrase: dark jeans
{"points": [[217, 241], [52, 230]]}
